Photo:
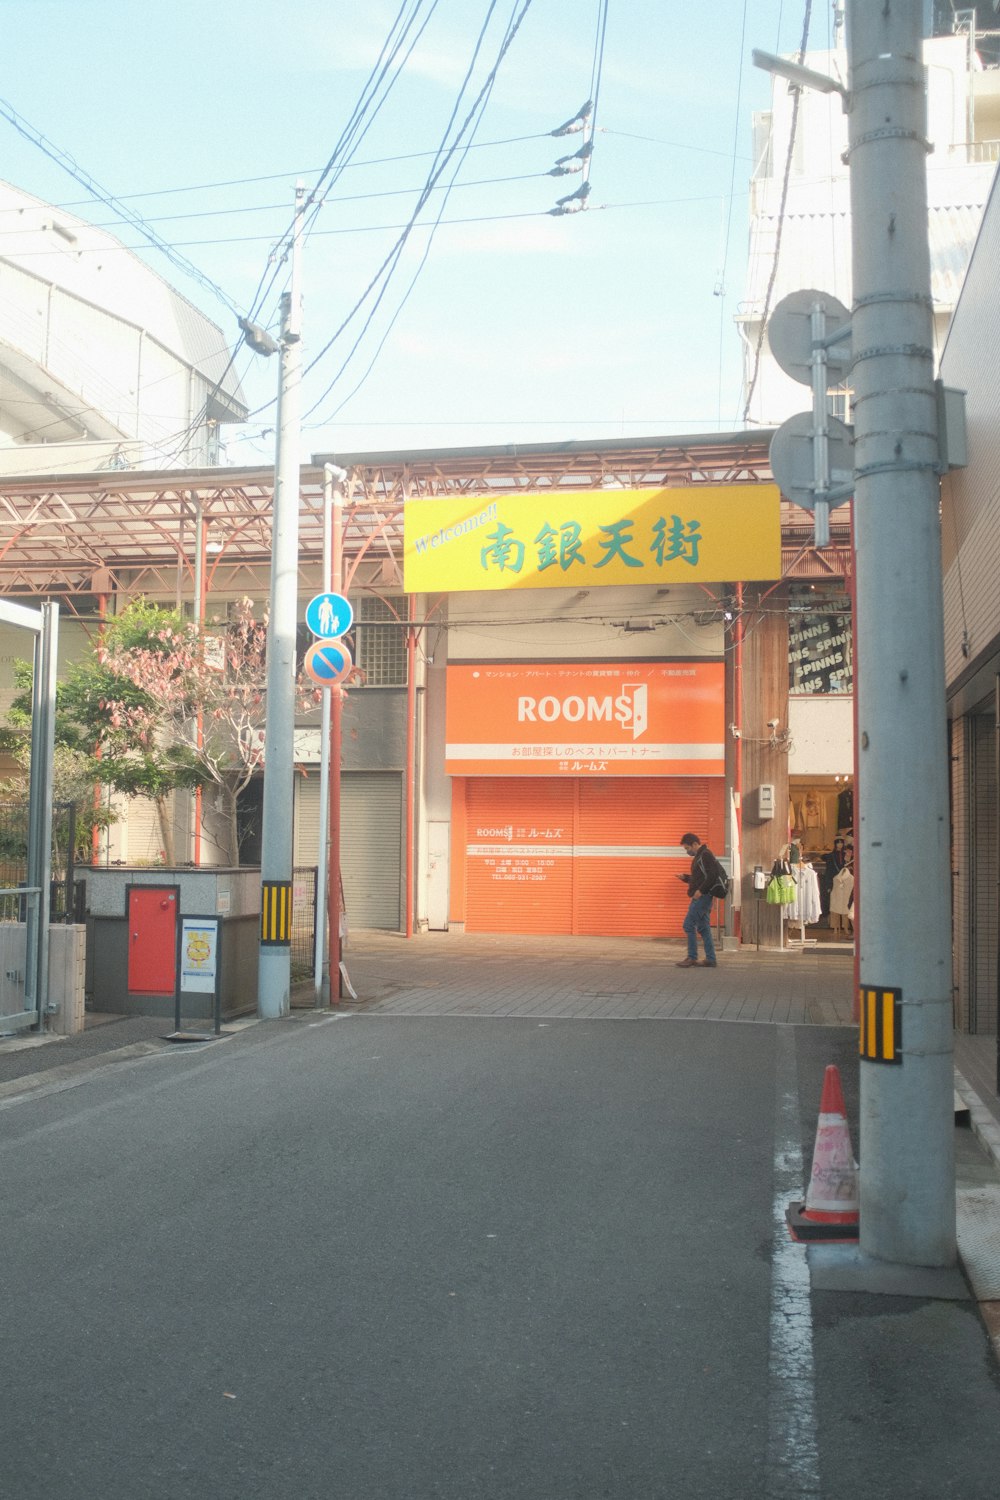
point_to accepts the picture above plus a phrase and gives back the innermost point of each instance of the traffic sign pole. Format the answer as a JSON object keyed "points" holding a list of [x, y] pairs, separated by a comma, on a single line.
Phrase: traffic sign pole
{"points": [[334, 774], [327, 976]]}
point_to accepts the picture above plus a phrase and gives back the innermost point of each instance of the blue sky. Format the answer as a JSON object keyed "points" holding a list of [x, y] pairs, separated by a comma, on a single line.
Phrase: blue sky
{"points": [[520, 327]]}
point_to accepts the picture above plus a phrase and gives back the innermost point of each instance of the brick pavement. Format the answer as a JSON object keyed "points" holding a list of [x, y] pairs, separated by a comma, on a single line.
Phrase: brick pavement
{"points": [[439, 974]]}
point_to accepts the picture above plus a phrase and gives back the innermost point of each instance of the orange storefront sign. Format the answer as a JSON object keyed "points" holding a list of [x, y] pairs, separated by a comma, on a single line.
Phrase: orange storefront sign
{"points": [[583, 719]]}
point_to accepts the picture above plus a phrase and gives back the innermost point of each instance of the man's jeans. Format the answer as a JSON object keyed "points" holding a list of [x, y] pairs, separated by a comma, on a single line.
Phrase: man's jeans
{"points": [[699, 919]]}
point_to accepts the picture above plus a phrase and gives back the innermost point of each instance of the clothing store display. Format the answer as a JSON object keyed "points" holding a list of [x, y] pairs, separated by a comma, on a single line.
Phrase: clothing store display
{"points": [[781, 885], [833, 863], [842, 900], [805, 909], [814, 816]]}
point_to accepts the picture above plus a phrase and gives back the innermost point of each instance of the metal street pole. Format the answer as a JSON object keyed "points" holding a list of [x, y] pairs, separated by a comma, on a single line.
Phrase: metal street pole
{"points": [[907, 1100], [336, 695], [325, 959], [274, 967]]}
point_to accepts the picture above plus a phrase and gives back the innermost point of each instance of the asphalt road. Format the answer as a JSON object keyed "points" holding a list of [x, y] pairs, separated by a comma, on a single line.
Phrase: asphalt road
{"points": [[378, 1257]]}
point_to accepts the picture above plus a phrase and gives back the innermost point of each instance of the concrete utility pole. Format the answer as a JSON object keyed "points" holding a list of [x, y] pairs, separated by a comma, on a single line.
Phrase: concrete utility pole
{"points": [[275, 963], [907, 1119]]}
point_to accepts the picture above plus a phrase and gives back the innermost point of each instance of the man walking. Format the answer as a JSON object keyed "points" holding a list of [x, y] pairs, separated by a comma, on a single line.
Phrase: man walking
{"points": [[706, 881]]}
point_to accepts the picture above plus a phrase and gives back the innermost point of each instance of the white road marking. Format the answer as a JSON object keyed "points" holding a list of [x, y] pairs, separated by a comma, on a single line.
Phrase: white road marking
{"points": [[792, 1448]]}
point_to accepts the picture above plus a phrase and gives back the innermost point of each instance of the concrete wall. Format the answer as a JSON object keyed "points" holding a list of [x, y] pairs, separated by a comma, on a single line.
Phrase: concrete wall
{"points": [[67, 953], [67, 971], [233, 895], [821, 730]]}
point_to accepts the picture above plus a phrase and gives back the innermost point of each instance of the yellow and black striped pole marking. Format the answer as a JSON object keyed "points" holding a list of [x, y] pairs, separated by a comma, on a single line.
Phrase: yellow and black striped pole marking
{"points": [[276, 913], [880, 1038]]}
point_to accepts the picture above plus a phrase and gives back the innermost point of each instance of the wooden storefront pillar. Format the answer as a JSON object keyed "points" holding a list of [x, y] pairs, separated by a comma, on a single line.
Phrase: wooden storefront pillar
{"points": [[765, 750]]}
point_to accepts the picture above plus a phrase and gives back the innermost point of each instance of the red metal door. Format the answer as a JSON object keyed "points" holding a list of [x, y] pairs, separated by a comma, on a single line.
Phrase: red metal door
{"points": [[152, 940]]}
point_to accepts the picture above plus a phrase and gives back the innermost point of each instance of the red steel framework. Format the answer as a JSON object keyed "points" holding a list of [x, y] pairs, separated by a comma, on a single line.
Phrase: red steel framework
{"points": [[74, 536], [84, 538]]}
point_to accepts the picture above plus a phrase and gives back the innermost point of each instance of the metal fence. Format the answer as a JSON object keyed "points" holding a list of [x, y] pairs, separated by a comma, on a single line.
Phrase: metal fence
{"points": [[18, 961], [303, 921], [66, 894]]}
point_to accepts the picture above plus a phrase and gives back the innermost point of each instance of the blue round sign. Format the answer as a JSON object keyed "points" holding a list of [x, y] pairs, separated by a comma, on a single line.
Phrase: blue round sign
{"points": [[329, 615], [328, 662]]}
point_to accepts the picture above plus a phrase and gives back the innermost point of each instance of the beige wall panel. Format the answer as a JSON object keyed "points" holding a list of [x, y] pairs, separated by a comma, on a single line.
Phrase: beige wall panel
{"points": [[971, 496]]}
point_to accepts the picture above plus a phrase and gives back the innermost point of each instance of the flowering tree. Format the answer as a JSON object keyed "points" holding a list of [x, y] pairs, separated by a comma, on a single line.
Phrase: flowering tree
{"points": [[195, 701], [92, 745], [162, 705]]}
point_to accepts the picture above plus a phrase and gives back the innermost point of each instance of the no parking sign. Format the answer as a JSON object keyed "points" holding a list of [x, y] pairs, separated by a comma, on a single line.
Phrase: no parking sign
{"points": [[328, 662]]}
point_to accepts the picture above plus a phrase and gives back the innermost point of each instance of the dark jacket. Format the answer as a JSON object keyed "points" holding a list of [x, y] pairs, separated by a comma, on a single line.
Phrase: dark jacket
{"points": [[707, 877]]}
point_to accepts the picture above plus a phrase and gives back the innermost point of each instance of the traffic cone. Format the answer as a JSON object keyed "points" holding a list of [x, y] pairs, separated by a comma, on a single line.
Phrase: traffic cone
{"points": [[831, 1209]]}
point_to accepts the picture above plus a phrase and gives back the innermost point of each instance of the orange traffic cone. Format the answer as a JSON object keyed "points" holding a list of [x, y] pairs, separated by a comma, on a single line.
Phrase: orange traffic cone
{"points": [[831, 1209]]}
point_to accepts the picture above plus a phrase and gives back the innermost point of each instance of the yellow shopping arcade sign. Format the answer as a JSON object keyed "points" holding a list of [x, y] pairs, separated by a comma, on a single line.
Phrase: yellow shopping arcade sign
{"points": [[586, 538]]}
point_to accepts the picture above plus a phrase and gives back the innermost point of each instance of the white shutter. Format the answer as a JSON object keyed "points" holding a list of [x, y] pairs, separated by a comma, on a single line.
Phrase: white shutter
{"points": [[371, 812], [143, 841]]}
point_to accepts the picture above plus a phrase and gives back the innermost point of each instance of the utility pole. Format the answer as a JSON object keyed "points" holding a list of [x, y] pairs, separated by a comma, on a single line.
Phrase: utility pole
{"points": [[274, 970], [907, 1099]]}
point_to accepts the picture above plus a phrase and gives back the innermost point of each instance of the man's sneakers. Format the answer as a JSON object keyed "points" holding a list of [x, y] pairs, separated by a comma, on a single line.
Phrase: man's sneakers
{"points": [[707, 963], [694, 963], [687, 963]]}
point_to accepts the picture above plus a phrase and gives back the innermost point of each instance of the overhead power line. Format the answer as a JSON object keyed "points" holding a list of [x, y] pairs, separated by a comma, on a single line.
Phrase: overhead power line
{"points": [[293, 172], [250, 239], [260, 208], [68, 164]]}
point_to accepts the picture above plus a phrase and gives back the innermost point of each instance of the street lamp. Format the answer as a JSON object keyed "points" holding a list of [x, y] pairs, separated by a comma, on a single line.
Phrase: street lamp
{"points": [[796, 74]]}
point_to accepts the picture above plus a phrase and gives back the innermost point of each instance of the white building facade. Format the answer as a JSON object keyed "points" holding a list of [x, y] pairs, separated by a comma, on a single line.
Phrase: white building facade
{"points": [[800, 238], [102, 363]]}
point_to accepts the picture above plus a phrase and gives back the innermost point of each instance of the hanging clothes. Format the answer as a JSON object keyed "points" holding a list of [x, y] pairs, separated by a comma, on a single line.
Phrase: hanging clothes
{"points": [[805, 910], [782, 885], [842, 900], [814, 818]]}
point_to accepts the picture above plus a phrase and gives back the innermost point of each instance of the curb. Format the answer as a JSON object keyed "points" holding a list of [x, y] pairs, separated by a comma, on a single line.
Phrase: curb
{"points": [[68, 1075], [982, 1120]]}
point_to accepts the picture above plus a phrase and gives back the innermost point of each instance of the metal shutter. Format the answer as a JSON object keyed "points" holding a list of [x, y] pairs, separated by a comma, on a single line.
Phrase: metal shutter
{"points": [[371, 811], [519, 864], [982, 894], [306, 834], [620, 890], [584, 857]]}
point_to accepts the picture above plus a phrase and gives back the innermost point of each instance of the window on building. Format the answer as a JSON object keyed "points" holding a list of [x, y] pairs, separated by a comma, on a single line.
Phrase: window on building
{"points": [[838, 403], [762, 144], [380, 641], [820, 658]]}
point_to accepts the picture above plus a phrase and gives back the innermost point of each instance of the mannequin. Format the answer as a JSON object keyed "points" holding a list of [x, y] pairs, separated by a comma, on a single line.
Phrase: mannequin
{"points": [[842, 901]]}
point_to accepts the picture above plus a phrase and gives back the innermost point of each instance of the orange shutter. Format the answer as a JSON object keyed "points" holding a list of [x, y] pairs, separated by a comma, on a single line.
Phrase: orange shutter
{"points": [[586, 857], [519, 848]]}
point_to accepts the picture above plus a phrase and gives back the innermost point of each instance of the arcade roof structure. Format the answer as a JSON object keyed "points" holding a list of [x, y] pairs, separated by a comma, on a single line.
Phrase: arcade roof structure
{"points": [[98, 533]]}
